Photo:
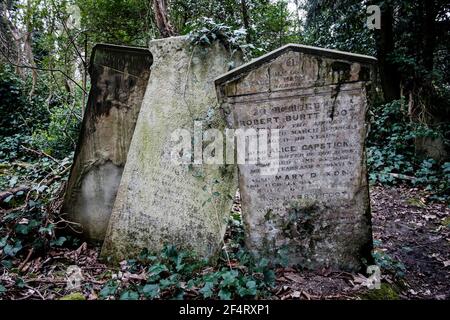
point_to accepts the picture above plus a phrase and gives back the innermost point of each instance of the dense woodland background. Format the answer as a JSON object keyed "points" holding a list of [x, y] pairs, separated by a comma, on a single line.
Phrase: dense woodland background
{"points": [[45, 48]]}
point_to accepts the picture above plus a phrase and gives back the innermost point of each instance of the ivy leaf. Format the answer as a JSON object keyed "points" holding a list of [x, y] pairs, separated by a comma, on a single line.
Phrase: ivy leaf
{"points": [[109, 289], [20, 283], [22, 228], [129, 295], [179, 295], [166, 283], [2, 289], [229, 279], [151, 290], [48, 229], [25, 228], [58, 242], [224, 294], [251, 286], [157, 269], [10, 250], [269, 277], [207, 290], [3, 241], [13, 181], [6, 263]]}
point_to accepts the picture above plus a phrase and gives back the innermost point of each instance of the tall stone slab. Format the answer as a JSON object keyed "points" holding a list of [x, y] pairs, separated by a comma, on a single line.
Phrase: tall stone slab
{"points": [[119, 77], [160, 201], [313, 210]]}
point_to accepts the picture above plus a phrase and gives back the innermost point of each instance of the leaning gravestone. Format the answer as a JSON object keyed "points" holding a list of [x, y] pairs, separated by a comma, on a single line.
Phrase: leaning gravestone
{"points": [[312, 207], [119, 77], [162, 201]]}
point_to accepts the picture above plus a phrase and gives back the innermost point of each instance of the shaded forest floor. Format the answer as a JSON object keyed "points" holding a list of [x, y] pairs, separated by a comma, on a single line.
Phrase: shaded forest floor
{"points": [[412, 247]]}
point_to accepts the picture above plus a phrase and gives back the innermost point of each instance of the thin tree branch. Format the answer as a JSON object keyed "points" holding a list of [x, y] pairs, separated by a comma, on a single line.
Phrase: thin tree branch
{"points": [[41, 69]]}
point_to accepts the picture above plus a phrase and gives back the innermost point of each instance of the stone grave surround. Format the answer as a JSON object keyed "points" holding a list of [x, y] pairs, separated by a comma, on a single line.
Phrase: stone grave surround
{"points": [[119, 77], [158, 201], [314, 209]]}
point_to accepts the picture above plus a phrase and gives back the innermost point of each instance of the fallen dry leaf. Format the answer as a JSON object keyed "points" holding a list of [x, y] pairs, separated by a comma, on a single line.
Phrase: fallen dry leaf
{"points": [[294, 277]]}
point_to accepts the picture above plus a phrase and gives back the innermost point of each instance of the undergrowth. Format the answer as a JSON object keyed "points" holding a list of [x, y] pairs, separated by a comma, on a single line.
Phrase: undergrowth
{"points": [[174, 274], [393, 156]]}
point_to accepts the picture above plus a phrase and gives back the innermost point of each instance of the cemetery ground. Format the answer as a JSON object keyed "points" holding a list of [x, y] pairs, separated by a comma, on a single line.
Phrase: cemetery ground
{"points": [[411, 239]]}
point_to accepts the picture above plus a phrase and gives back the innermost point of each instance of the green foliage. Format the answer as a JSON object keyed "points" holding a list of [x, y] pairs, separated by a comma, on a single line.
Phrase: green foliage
{"points": [[2, 290], [74, 296], [391, 151], [270, 23], [385, 292], [387, 263], [338, 25], [206, 31], [30, 221], [20, 115], [50, 126], [129, 295], [273, 25], [59, 138], [131, 23], [109, 289], [173, 274]]}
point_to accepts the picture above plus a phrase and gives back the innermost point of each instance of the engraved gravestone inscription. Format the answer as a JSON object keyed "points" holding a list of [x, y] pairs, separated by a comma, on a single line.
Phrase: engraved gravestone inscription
{"points": [[312, 207]]}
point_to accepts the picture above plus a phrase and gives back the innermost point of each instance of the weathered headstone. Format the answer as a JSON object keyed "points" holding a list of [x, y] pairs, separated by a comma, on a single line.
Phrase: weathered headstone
{"points": [[119, 77], [161, 201], [313, 208]]}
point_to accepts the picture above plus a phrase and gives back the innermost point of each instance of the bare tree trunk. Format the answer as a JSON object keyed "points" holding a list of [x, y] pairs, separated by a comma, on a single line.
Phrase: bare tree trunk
{"points": [[85, 67], [246, 20], [429, 34], [10, 38], [389, 75], [299, 21], [162, 19], [28, 48]]}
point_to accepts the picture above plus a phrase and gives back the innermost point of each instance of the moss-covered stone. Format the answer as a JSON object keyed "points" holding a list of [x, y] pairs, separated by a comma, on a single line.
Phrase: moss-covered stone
{"points": [[386, 292], [316, 100], [119, 78], [446, 222], [73, 296], [159, 201]]}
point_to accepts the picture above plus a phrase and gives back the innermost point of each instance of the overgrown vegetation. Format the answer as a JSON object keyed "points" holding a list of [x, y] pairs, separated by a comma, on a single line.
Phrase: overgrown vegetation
{"points": [[36, 146], [47, 123], [394, 156], [174, 274], [30, 214], [44, 55], [206, 31]]}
